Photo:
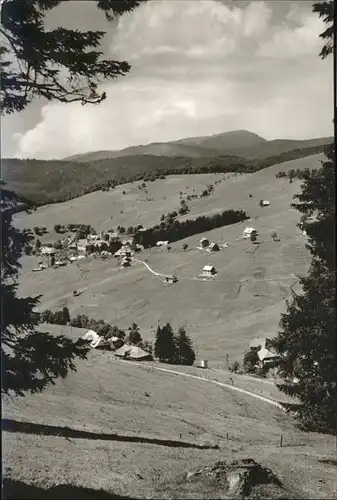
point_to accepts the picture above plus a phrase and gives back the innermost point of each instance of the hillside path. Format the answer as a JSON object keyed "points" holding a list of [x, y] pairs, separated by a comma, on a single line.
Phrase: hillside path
{"points": [[269, 401]]}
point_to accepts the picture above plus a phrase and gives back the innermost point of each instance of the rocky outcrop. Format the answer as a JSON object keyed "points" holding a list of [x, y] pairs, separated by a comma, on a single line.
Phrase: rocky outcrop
{"points": [[240, 478]]}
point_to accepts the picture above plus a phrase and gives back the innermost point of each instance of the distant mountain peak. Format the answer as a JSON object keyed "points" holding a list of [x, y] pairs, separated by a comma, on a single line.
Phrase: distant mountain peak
{"points": [[195, 147]]}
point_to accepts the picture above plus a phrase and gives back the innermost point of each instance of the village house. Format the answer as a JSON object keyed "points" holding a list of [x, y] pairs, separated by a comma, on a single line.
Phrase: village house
{"points": [[248, 232], [82, 246], [126, 262], [45, 250], [133, 352], [92, 337], [208, 270], [171, 279], [213, 247], [265, 351]]}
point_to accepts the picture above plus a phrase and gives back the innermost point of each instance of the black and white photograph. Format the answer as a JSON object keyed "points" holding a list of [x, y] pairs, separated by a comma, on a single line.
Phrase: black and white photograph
{"points": [[168, 249]]}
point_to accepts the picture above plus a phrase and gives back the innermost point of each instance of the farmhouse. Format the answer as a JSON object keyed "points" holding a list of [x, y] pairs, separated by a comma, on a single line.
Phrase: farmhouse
{"points": [[248, 232], [266, 356], [82, 245], [208, 270], [265, 351], [171, 279], [259, 343], [265, 203], [47, 250], [92, 337], [133, 352], [213, 247], [126, 261]]}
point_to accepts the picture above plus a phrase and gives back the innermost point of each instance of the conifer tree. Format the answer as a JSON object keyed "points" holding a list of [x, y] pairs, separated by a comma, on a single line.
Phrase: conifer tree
{"points": [[59, 64], [30, 360], [184, 351], [134, 336], [307, 341], [63, 65], [66, 315], [164, 347]]}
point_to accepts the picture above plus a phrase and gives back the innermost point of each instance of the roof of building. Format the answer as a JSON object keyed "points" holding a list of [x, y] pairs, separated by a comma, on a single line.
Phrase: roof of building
{"points": [[208, 267], [258, 341], [133, 352], [249, 230], [93, 337], [82, 242], [265, 353]]}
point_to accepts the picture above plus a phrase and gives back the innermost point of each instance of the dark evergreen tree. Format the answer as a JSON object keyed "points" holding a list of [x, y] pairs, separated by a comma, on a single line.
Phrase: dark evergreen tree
{"points": [[326, 11], [134, 336], [34, 60], [30, 360], [47, 316], [308, 339], [66, 315], [164, 347], [250, 360], [184, 351]]}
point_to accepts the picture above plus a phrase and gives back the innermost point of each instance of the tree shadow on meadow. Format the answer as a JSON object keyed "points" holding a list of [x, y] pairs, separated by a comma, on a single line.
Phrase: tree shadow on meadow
{"points": [[13, 489]]}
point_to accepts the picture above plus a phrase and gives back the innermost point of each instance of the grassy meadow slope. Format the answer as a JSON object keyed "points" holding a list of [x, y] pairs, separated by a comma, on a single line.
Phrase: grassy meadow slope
{"points": [[116, 397], [103, 210], [41, 182], [44, 182], [139, 408], [243, 301]]}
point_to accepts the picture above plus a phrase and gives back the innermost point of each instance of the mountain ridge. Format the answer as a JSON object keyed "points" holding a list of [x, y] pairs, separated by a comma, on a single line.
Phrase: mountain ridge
{"points": [[236, 142]]}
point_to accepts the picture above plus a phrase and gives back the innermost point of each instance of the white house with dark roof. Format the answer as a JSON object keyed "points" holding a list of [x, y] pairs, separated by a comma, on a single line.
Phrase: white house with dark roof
{"points": [[208, 270]]}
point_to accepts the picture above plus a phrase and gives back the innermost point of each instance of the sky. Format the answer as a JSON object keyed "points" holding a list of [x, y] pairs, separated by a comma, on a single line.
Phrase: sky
{"points": [[198, 67]]}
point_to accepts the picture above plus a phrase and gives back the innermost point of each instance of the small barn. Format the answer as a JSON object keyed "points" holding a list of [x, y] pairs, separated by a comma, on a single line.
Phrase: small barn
{"points": [[213, 247], [126, 262], [267, 357], [208, 270], [259, 343], [171, 279], [92, 337], [47, 250], [247, 233], [82, 245], [265, 203], [133, 352]]}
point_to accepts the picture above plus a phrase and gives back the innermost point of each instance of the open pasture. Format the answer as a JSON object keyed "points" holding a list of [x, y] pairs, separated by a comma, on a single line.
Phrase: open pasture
{"points": [[118, 398], [222, 315]]}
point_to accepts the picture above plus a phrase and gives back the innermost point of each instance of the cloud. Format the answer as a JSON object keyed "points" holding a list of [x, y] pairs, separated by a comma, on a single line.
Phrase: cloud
{"points": [[199, 68], [295, 41], [202, 28]]}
